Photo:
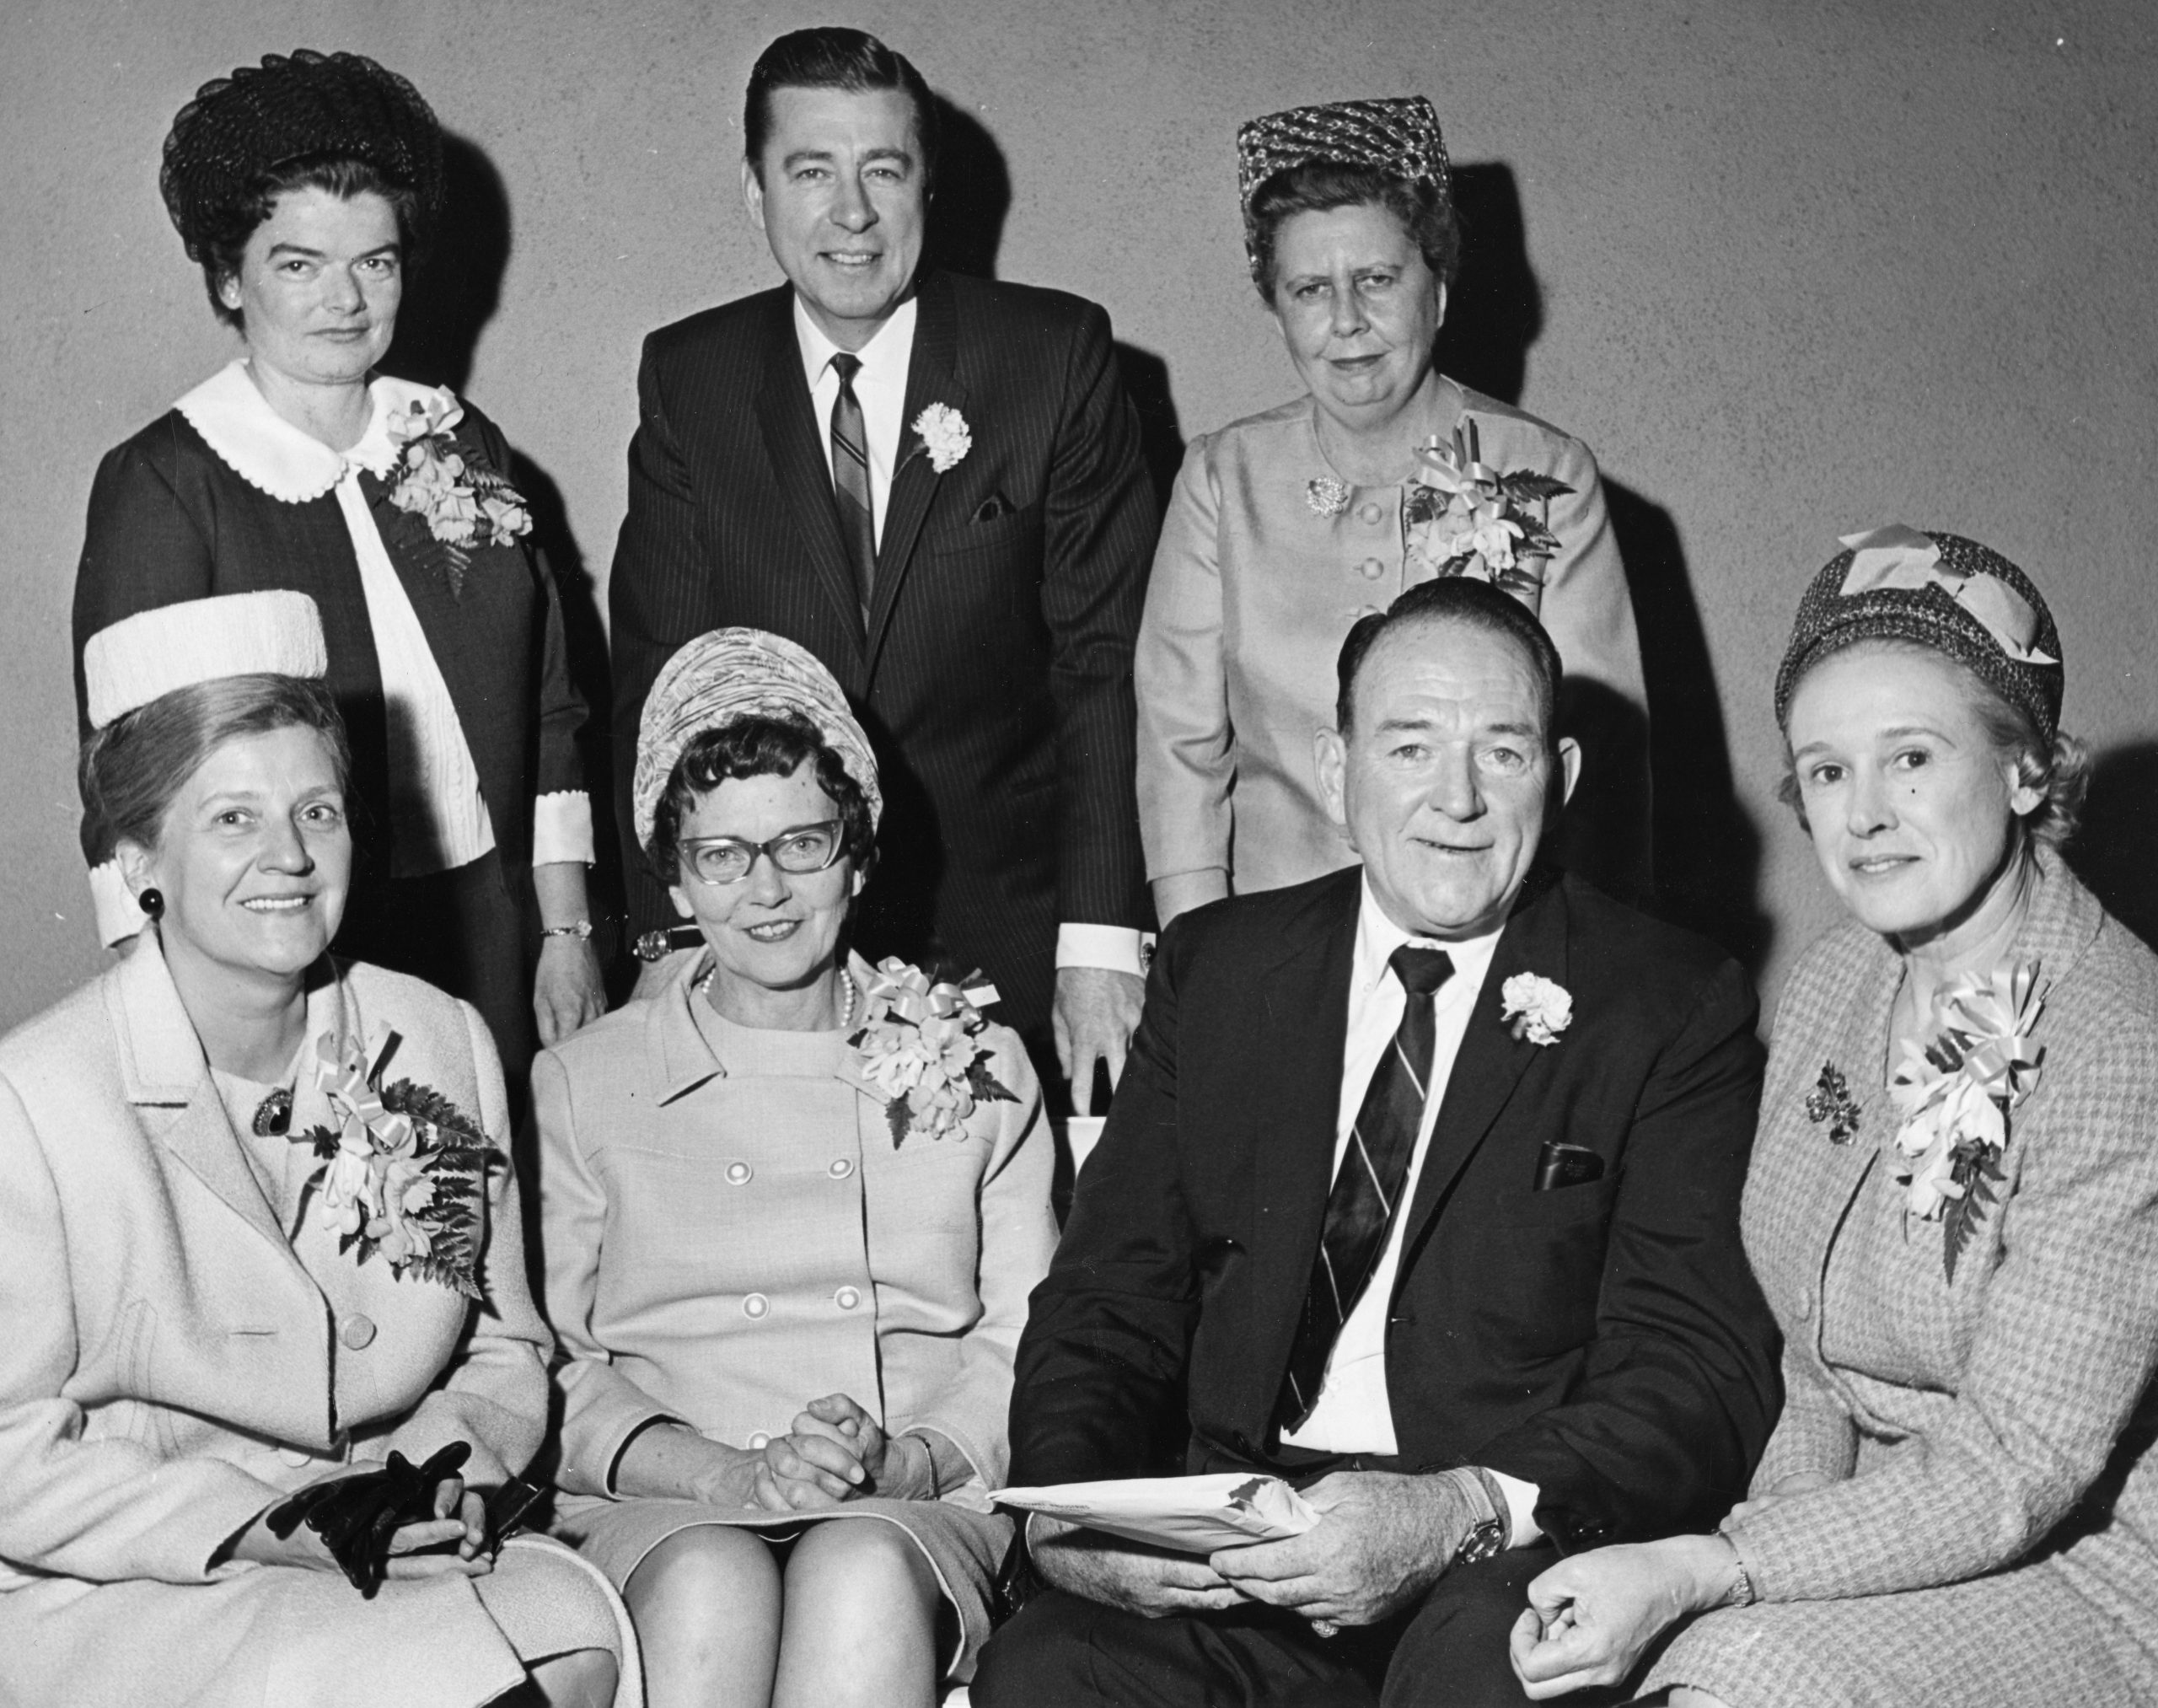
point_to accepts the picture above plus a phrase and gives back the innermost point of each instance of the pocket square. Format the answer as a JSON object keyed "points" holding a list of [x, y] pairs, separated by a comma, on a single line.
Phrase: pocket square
{"points": [[994, 506], [1566, 1165]]}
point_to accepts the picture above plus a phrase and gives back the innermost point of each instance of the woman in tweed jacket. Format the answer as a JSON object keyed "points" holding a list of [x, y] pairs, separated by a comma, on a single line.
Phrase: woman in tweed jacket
{"points": [[1959, 1504]]}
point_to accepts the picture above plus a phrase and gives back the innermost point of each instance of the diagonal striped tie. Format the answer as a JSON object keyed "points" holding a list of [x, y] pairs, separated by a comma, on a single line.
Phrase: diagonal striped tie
{"points": [[1367, 1185], [851, 477]]}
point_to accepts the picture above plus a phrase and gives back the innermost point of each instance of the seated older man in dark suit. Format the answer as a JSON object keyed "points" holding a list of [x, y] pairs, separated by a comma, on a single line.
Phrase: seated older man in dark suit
{"points": [[1421, 1190]]}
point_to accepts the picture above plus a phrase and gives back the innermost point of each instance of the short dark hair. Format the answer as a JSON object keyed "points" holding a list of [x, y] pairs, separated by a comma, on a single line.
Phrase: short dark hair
{"points": [[135, 767], [756, 747], [1475, 604], [830, 57], [223, 241], [1317, 187]]}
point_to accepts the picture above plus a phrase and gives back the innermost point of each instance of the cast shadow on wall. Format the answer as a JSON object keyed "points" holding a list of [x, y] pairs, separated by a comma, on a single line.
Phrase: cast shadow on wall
{"points": [[2115, 852], [966, 231], [1707, 847], [452, 296]]}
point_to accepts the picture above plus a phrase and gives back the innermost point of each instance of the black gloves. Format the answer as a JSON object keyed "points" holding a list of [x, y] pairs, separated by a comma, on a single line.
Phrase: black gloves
{"points": [[356, 1516]]}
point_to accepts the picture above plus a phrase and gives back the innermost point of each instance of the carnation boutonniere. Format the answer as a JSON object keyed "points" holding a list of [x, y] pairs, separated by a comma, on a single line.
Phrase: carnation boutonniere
{"points": [[465, 504], [1831, 1101], [921, 1050], [404, 1170], [1540, 1010], [1955, 1091], [945, 436], [1461, 518]]}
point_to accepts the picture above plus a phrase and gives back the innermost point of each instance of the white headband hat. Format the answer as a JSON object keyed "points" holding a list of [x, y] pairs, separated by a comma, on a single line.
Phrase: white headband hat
{"points": [[142, 658], [731, 673]]}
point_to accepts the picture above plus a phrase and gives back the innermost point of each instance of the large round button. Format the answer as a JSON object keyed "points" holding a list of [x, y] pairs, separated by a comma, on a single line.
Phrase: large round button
{"points": [[847, 1298], [737, 1173], [1371, 569], [295, 1456], [755, 1305], [357, 1333], [1372, 514], [1806, 1304], [760, 1440], [841, 1168]]}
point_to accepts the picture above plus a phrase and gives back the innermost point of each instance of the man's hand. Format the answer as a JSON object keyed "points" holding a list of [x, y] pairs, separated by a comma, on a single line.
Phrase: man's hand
{"points": [[1591, 1617], [1095, 1014], [568, 991], [1380, 1542], [1148, 1582]]}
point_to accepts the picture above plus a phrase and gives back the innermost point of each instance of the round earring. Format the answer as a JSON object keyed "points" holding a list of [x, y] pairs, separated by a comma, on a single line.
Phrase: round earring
{"points": [[152, 901]]}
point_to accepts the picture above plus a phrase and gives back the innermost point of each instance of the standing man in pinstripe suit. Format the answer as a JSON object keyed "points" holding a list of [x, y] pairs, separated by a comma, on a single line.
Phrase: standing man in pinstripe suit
{"points": [[935, 484]]}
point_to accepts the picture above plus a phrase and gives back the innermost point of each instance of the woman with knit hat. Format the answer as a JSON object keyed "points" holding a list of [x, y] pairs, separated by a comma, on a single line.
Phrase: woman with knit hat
{"points": [[1953, 1209], [305, 188], [270, 1351]]}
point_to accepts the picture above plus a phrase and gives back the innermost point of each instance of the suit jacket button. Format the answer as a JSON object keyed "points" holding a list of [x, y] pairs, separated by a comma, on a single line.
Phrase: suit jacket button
{"points": [[358, 1334], [846, 1299], [737, 1173], [1371, 569], [755, 1305], [295, 1456], [841, 1168], [1806, 1305], [760, 1440], [1371, 515]]}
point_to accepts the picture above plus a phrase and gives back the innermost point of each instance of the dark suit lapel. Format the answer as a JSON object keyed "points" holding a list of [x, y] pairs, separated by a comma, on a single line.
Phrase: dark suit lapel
{"points": [[1491, 1060], [930, 378], [1295, 1101], [793, 443]]}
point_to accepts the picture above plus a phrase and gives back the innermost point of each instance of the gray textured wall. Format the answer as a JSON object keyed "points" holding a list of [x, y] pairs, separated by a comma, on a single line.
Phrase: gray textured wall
{"points": [[1804, 265]]}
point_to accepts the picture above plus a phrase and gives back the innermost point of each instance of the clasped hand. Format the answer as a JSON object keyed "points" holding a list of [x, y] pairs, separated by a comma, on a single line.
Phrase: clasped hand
{"points": [[835, 1453], [1590, 1618], [357, 1523]]}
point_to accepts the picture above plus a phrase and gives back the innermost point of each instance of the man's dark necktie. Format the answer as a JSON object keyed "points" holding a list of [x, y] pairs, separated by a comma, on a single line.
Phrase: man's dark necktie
{"points": [[1367, 1185], [851, 477]]}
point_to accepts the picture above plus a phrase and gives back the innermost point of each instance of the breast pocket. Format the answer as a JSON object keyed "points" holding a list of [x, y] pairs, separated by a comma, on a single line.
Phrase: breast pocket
{"points": [[1532, 1265], [1015, 530]]}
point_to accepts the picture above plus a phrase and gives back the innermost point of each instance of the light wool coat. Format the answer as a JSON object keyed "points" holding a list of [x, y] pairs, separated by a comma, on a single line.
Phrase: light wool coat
{"points": [[169, 1369], [1988, 1536]]}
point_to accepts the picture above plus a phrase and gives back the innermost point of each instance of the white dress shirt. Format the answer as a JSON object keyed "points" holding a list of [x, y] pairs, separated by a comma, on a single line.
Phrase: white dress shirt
{"points": [[1354, 1413], [438, 816], [881, 387]]}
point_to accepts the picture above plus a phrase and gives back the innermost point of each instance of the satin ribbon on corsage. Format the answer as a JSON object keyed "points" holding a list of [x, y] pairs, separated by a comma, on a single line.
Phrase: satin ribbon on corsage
{"points": [[1956, 1092], [465, 504], [1461, 517], [1899, 556], [921, 1053], [403, 1169]]}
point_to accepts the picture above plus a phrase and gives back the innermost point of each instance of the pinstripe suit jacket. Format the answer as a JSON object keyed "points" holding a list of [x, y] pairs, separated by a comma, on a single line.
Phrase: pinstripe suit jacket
{"points": [[2003, 1420], [994, 672]]}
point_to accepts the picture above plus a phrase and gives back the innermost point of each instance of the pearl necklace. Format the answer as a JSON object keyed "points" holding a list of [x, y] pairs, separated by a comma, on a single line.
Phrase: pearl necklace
{"points": [[846, 980]]}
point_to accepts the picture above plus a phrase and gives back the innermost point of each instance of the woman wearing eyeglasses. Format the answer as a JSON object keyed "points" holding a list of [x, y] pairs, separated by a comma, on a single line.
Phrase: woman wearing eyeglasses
{"points": [[793, 1207]]}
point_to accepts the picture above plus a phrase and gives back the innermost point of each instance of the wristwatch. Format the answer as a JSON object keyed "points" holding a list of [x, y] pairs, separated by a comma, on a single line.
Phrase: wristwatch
{"points": [[1487, 1537]]}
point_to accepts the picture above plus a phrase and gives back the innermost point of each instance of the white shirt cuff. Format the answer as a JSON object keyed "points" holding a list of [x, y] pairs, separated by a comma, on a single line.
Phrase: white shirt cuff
{"points": [[562, 827], [1521, 1509], [1114, 948], [119, 915]]}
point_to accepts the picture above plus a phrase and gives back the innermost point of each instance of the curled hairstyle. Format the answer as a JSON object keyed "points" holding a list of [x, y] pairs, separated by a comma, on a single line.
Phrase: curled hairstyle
{"points": [[2059, 770], [1473, 603], [830, 57], [223, 238], [756, 747], [135, 767], [1319, 186]]}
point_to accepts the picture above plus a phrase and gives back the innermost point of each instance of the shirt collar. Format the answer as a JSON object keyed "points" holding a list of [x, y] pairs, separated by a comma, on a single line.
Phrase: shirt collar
{"points": [[269, 453], [883, 355], [1377, 936]]}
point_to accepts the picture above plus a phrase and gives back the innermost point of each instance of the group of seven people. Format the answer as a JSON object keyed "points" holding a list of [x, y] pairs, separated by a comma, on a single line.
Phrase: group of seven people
{"points": [[1437, 1181]]}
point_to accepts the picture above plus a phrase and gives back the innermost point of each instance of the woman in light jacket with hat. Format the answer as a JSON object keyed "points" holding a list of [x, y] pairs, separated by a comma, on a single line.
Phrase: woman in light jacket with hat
{"points": [[242, 1254]]}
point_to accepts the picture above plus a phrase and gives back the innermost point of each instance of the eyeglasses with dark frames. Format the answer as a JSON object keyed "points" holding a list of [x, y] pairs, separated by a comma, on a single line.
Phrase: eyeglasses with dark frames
{"points": [[799, 850]]}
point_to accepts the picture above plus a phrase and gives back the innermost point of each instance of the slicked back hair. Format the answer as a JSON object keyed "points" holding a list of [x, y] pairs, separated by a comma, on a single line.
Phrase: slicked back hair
{"points": [[831, 57], [1472, 602]]}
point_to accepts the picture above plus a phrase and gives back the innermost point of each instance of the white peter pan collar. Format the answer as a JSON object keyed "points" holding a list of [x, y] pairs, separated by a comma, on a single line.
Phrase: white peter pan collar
{"points": [[268, 451]]}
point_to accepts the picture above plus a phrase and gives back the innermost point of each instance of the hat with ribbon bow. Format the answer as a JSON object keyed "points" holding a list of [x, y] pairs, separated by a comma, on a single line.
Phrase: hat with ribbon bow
{"points": [[1940, 591]]}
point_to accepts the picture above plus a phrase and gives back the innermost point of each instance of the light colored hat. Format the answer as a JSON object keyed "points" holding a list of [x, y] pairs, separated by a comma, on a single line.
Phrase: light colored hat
{"points": [[732, 673], [144, 657]]}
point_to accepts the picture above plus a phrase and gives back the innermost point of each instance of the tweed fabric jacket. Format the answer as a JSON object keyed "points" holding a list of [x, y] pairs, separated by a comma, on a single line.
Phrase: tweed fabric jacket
{"points": [[994, 672], [1988, 1536], [170, 1367]]}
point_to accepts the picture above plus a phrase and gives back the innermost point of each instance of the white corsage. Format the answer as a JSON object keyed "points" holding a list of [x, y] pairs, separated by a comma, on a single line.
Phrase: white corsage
{"points": [[921, 1051], [1539, 1009], [944, 434]]}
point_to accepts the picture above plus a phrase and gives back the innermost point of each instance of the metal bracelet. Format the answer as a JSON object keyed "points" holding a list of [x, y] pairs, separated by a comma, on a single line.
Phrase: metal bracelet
{"points": [[580, 929]]}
